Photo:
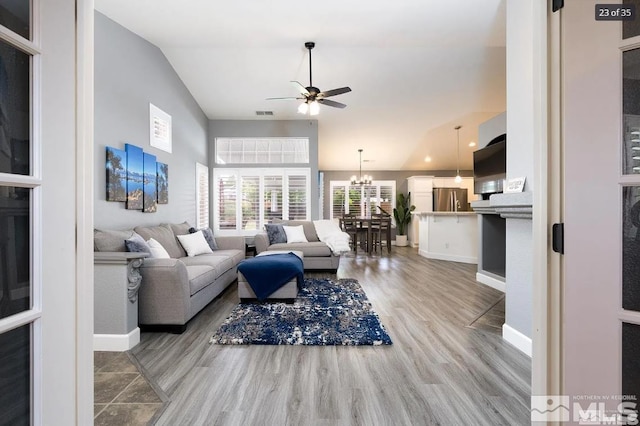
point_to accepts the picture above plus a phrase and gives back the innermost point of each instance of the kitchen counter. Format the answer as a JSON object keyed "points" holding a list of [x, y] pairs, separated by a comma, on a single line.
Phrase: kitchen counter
{"points": [[449, 236]]}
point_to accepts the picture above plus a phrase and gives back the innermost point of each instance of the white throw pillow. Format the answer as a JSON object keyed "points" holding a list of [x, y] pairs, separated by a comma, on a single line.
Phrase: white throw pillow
{"points": [[295, 234], [157, 251], [194, 244]]}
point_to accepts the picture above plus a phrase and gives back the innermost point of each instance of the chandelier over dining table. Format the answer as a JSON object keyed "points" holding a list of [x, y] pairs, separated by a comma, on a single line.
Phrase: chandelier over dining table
{"points": [[362, 179]]}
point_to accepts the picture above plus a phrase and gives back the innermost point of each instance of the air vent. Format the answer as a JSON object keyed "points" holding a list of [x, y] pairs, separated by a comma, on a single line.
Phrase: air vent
{"points": [[264, 112]]}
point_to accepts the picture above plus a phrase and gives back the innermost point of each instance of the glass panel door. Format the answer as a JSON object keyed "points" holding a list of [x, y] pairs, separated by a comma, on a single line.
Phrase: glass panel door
{"points": [[19, 202]]}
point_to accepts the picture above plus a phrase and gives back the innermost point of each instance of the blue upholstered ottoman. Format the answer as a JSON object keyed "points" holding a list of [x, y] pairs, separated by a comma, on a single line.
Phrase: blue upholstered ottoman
{"points": [[287, 291]]}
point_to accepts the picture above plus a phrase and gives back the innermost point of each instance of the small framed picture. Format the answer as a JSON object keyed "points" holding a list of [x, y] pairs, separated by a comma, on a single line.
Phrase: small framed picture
{"points": [[159, 128]]}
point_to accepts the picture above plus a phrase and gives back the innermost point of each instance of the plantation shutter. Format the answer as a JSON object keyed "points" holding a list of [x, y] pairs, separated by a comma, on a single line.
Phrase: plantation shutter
{"points": [[297, 197], [272, 199], [227, 195], [355, 200], [338, 207], [202, 196], [250, 202], [386, 199]]}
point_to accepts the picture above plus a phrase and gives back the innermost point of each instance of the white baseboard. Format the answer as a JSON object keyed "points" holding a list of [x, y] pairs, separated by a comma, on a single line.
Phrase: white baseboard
{"points": [[449, 257], [517, 339], [491, 282], [116, 342]]}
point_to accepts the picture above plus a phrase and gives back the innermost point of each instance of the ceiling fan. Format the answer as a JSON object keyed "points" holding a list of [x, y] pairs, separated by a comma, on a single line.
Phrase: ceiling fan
{"points": [[312, 96]]}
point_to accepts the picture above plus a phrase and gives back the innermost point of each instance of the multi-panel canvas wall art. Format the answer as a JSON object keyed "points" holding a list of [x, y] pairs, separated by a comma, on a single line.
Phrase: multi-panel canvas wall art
{"points": [[135, 177], [116, 174], [163, 183], [150, 192]]}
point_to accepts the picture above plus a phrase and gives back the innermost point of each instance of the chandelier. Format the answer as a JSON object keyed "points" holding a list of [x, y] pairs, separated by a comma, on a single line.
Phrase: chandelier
{"points": [[363, 179]]}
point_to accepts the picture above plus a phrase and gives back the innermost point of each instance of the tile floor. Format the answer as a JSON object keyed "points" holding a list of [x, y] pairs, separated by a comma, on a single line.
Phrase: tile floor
{"points": [[122, 395]]}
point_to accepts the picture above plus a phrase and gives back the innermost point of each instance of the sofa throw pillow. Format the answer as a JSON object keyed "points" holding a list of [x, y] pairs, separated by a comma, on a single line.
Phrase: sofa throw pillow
{"points": [[208, 236], [136, 244], [157, 251], [275, 233], [194, 244], [106, 240], [295, 234]]}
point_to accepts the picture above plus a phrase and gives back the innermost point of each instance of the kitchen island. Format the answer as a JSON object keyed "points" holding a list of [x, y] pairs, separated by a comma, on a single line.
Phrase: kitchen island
{"points": [[449, 236]]}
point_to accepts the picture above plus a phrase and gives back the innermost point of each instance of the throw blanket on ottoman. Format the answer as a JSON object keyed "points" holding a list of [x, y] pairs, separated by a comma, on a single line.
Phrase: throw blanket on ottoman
{"points": [[266, 274]]}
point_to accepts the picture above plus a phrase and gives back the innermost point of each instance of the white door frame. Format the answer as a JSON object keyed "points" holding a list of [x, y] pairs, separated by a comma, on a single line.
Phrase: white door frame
{"points": [[546, 357], [84, 211]]}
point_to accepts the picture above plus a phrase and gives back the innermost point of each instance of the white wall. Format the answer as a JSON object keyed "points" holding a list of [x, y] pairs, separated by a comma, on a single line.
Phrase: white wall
{"points": [[492, 128], [60, 318]]}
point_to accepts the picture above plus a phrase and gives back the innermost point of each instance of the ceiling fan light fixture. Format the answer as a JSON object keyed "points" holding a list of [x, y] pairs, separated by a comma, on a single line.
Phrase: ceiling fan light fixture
{"points": [[303, 108], [314, 108]]}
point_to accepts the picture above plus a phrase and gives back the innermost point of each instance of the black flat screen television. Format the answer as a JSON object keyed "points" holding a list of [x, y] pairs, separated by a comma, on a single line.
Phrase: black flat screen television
{"points": [[490, 167]]}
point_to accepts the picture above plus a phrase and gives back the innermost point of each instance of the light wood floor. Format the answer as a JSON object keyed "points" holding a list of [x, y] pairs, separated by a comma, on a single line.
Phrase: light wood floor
{"points": [[439, 370]]}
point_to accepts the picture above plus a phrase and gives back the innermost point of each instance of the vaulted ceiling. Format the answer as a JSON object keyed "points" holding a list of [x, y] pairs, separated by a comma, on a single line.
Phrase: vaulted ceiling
{"points": [[417, 68]]}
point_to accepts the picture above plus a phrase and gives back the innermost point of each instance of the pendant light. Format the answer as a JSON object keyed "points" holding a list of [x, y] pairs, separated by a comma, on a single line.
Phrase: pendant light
{"points": [[362, 180], [458, 179]]}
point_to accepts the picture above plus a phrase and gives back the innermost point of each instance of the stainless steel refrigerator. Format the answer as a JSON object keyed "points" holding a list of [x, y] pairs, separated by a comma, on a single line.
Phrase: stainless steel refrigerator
{"points": [[450, 200]]}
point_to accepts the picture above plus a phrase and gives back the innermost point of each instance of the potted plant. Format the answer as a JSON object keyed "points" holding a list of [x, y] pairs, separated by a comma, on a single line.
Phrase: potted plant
{"points": [[402, 215]]}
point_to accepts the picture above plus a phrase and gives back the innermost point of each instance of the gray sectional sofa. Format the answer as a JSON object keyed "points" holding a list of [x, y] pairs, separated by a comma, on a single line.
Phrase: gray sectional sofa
{"points": [[174, 290], [317, 255]]}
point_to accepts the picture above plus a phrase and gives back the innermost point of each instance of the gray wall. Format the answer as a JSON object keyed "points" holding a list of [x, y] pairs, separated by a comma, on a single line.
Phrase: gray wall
{"points": [[266, 129], [130, 73], [399, 176], [520, 134]]}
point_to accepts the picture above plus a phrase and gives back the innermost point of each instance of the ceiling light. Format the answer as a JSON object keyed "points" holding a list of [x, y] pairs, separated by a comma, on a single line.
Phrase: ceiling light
{"points": [[314, 108], [427, 159], [303, 108], [362, 180], [458, 179], [472, 143]]}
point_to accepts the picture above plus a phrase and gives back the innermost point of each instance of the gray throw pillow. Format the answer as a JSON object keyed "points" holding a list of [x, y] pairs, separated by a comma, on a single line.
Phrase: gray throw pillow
{"points": [[137, 244], [275, 233], [208, 235]]}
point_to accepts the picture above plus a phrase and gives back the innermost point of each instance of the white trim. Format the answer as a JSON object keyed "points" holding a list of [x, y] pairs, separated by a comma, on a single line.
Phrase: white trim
{"points": [[84, 211], [116, 342], [19, 42], [491, 282], [449, 257], [517, 339]]}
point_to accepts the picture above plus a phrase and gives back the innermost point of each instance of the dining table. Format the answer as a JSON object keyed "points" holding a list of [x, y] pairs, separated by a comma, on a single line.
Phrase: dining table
{"points": [[365, 223]]}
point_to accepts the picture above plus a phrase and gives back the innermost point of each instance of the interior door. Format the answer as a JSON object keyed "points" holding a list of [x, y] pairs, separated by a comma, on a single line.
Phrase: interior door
{"points": [[600, 84]]}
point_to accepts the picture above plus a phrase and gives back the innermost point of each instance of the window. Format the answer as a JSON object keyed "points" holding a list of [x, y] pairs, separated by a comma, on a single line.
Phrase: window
{"points": [[20, 216], [362, 200], [246, 199], [202, 196], [262, 150]]}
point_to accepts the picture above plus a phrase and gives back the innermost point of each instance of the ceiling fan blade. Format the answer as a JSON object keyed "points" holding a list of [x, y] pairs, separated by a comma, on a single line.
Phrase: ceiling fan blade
{"points": [[281, 99], [331, 103], [303, 90], [334, 92]]}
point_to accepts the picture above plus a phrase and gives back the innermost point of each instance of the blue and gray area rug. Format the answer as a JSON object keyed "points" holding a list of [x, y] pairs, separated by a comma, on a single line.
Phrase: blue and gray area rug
{"points": [[326, 312]]}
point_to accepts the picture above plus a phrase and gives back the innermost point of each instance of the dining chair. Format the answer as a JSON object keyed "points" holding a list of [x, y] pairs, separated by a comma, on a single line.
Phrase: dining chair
{"points": [[379, 227], [351, 225]]}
